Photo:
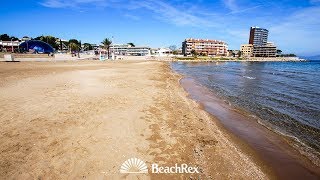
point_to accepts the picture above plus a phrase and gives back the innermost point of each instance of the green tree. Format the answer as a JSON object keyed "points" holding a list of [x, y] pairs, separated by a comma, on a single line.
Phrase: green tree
{"points": [[131, 44], [14, 38], [175, 52], [87, 46], [73, 46], [279, 51], [6, 37], [74, 41], [106, 43], [50, 40], [194, 53]]}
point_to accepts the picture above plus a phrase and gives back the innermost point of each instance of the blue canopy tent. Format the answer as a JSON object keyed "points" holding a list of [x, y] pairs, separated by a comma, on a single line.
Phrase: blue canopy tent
{"points": [[36, 46]]}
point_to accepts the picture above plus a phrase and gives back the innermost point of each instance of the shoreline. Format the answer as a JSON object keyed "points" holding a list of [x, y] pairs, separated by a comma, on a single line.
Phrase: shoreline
{"points": [[269, 147], [239, 61], [62, 57]]}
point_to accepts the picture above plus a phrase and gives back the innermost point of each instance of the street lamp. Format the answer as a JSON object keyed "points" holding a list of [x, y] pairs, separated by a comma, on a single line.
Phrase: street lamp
{"points": [[11, 45], [112, 43]]}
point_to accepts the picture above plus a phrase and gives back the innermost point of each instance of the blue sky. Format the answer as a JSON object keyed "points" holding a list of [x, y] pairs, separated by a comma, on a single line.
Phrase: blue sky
{"points": [[294, 25]]}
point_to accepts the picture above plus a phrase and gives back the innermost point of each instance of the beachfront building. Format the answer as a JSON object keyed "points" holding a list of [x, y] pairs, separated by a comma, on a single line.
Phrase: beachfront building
{"points": [[258, 36], [95, 46], [163, 52], [26, 38], [128, 50], [9, 46], [258, 44], [166, 52], [246, 50], [269, 50], [204, 46]]}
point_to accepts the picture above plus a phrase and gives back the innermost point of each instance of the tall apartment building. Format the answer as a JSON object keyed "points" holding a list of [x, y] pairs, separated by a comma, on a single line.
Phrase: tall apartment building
{"points": [[258, 36], [258, 44], [205, 46]]}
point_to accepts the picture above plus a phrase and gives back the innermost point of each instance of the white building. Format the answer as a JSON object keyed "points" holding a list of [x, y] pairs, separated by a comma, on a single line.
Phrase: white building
{"points": [[163, 52], [26, 38], [9, 46], [128, 50]]}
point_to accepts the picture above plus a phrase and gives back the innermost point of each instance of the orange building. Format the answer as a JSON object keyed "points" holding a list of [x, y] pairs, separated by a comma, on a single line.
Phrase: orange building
{"points": [[206, 47]]}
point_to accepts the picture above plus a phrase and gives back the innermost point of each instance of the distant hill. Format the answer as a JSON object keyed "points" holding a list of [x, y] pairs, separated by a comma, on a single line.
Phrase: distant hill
{"points": [[311, 57]]}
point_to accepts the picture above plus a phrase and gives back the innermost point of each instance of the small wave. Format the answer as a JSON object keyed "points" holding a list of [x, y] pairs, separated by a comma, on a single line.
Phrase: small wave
{"points": [[248, 77]]}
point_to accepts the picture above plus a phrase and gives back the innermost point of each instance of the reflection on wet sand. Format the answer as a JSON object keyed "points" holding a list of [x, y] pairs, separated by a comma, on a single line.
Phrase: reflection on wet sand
{"points": [[272, 149]]}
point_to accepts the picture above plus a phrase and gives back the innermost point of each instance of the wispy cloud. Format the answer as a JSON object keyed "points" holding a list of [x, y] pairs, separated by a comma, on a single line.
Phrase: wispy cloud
{"points": [[244, 10], [236, 8], [132, 17], [231, 4], [162, 10], [288, 26], [74, 3], [314, 1], [300, 29], [171, 14]]}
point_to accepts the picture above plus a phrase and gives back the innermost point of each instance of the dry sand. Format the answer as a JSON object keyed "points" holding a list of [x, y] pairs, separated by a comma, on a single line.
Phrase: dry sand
{"points": [[73, 120]]}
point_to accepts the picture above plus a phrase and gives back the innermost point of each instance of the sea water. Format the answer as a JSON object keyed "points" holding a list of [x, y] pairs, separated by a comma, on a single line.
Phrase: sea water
{"points": [[285, 96]]}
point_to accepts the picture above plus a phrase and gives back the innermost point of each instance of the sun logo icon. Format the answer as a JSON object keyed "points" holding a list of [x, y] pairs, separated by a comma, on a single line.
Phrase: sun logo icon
{"points": [[134, 166]]}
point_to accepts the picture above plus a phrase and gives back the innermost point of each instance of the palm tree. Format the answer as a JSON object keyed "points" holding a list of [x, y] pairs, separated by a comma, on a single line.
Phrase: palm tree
{"points": [[107, 42], [87, 46], [73, 47]]}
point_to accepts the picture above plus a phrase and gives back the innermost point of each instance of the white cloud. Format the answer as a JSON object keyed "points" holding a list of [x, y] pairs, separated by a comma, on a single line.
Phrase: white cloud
{"points": [[133, 17], [231, 4], [54, 4], [314, 1], [161, 10], [169, 13], [299, 32], [292, 30], [244, 10], [74, 3]]}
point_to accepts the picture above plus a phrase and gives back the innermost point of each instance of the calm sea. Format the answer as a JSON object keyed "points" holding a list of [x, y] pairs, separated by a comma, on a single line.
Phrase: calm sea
{"points": [[284, 95]]}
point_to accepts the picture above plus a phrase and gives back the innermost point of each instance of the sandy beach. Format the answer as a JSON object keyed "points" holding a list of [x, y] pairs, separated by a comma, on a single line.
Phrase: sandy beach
{"points": [[72, 120]]}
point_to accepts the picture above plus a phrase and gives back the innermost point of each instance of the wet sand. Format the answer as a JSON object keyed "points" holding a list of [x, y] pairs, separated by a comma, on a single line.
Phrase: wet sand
{"points": [[72, 120], [274, 150]]}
